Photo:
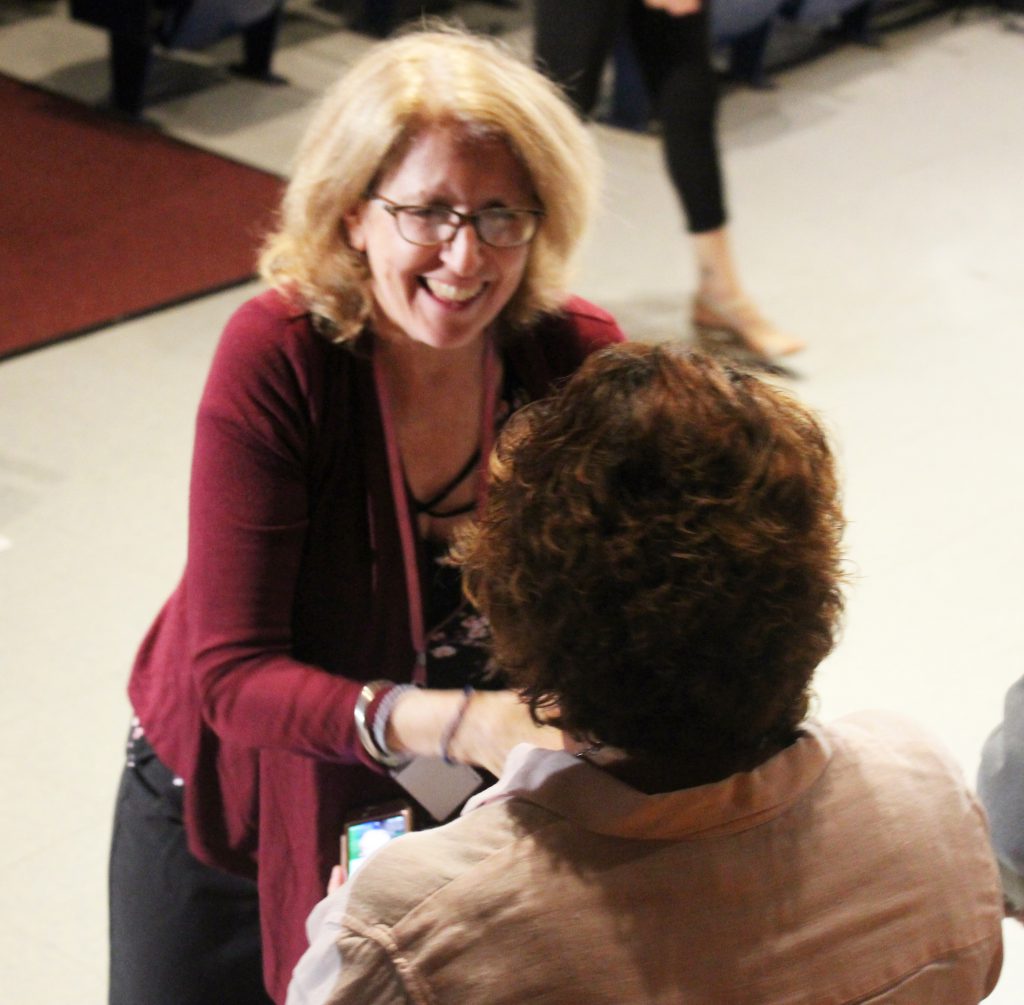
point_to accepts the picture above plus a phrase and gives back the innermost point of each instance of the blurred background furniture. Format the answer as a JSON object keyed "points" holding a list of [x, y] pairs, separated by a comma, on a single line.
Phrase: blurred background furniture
{"points": [[742, 28], [135, 27], [848, 19]]}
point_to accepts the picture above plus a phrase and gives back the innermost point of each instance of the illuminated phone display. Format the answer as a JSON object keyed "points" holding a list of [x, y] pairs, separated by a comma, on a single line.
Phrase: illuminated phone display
{"points": [[363, 837]]}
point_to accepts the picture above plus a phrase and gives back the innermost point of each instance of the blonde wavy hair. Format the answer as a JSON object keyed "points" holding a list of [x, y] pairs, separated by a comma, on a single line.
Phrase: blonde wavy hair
{"points": [[362, 128]]}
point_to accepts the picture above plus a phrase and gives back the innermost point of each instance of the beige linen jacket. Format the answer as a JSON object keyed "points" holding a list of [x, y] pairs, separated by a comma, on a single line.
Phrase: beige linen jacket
{"points": [[852, 867]]}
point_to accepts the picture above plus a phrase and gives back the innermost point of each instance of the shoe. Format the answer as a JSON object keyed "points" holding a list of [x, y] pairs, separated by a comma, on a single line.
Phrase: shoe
{"points": [[738, 321]]}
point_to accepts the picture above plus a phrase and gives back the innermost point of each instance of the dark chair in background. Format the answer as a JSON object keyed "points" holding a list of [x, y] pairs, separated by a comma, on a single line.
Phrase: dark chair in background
{"points": [[135, 27], [742, 28], [849, 19]]}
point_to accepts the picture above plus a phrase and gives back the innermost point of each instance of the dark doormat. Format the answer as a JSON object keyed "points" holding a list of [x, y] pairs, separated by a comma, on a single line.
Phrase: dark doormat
{"points": [[102, 220]]}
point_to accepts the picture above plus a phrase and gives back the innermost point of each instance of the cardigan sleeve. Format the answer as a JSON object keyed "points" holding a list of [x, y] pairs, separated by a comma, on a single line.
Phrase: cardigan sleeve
{"points": [[248, 521]]}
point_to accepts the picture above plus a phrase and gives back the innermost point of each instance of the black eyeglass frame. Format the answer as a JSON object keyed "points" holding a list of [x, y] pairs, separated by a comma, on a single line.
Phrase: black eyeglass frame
{"points": [[393, 209]]}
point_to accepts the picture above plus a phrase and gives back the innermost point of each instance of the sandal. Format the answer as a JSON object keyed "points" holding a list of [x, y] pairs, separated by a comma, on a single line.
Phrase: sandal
{"points": [[739, 322]]}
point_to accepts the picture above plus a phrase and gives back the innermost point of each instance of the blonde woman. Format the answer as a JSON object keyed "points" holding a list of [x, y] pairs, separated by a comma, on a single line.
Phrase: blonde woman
{"points": [[317, 642]]}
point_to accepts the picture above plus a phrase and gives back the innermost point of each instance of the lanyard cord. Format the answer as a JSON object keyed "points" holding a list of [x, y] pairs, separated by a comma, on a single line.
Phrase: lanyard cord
{"points": [[406, 531]]}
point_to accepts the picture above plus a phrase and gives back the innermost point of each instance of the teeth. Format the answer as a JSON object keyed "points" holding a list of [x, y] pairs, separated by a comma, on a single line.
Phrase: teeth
{"points": [[456, 293]]}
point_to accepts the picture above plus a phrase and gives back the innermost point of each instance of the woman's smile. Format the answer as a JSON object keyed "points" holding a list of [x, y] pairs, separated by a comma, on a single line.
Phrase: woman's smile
{"points": [[450, 294]]}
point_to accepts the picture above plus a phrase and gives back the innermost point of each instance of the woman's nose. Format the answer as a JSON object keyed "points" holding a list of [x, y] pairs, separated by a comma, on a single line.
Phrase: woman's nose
{"points": [[464, 252]]}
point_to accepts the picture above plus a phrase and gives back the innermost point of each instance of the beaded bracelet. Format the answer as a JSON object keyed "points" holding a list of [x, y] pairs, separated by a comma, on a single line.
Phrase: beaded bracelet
{"points": [[453, 726], [367, 695], [382, 714]]}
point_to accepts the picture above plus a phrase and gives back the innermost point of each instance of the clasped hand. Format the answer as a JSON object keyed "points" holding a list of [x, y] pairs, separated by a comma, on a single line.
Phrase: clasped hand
{"points": [[495, 722]]}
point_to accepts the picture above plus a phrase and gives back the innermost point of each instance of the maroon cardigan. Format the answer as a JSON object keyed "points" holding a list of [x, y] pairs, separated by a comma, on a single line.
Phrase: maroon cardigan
{"points": [[293, 592]]}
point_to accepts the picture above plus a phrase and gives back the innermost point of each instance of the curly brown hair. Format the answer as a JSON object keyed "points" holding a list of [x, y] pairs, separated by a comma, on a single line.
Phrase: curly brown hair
{"points": [[659, 554]]}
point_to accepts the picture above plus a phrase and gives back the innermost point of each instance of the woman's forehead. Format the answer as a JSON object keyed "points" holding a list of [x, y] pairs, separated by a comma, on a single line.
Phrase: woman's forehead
{"points": [[450, 158]]}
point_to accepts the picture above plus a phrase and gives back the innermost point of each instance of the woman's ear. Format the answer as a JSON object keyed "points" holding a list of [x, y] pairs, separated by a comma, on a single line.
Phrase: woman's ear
{"points": [[353, 229]]}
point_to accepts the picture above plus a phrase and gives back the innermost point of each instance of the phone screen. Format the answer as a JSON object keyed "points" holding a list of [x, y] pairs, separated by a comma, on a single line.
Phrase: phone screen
{"points": [[365, 836]]}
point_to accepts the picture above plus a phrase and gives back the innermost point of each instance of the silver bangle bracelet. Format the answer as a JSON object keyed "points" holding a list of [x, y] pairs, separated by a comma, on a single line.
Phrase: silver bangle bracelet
{"points": [[381, 755]]}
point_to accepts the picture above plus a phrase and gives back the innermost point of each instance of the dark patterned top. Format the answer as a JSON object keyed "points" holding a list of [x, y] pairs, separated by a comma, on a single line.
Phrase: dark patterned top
{"points": [[459, 639]]}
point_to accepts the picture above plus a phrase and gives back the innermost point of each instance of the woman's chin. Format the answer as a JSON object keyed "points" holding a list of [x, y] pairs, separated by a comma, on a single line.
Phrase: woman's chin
{"points": [[450, 331], [449, 340]]}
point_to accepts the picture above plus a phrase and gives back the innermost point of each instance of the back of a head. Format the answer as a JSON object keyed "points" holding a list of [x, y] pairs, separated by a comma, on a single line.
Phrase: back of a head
{"points": [[659, 554]]}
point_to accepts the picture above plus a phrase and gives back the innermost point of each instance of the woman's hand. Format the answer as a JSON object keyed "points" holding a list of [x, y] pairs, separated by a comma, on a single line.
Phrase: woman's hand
{"points": [[337, 879], [677, 8], [493, 723]]}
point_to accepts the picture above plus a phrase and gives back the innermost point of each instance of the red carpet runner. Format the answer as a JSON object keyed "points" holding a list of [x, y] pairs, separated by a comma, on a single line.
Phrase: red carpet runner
{"points": [[101, 220]]}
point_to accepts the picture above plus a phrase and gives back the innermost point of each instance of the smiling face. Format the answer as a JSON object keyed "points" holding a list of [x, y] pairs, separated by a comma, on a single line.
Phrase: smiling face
{"points": [[448, 295]]}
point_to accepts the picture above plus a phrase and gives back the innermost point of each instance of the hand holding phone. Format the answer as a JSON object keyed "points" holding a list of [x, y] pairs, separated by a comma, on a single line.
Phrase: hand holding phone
{"points": [[365, 833]]}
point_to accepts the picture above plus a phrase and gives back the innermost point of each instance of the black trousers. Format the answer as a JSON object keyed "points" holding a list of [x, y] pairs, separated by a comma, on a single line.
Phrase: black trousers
{"points": [[181, 933], [573, 39]]}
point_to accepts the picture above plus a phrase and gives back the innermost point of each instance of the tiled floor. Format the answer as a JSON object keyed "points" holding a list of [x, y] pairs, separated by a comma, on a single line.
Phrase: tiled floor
{"points": [[879, 211]]}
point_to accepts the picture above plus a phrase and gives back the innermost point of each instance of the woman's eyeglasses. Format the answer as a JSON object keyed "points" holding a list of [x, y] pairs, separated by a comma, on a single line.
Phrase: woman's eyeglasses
{"points": [[496, 226]]}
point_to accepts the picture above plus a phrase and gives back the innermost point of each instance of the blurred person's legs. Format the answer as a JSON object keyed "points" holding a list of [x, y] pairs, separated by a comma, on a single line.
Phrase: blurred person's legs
{"points": [[722, 305], [675, 57], [573, 40], [181, 933]]}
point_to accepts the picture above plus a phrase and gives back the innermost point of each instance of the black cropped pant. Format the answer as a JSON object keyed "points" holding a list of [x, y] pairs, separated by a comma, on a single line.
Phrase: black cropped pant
{"points": [[181, 933], [573, 41]]}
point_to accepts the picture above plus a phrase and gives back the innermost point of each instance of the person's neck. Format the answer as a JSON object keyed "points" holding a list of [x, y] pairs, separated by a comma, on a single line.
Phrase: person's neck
{"points": [[412, 365], [653, 773]]}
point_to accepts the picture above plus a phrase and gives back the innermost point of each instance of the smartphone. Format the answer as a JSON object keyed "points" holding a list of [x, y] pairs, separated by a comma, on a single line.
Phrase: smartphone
{"points": [[367, 831]]}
